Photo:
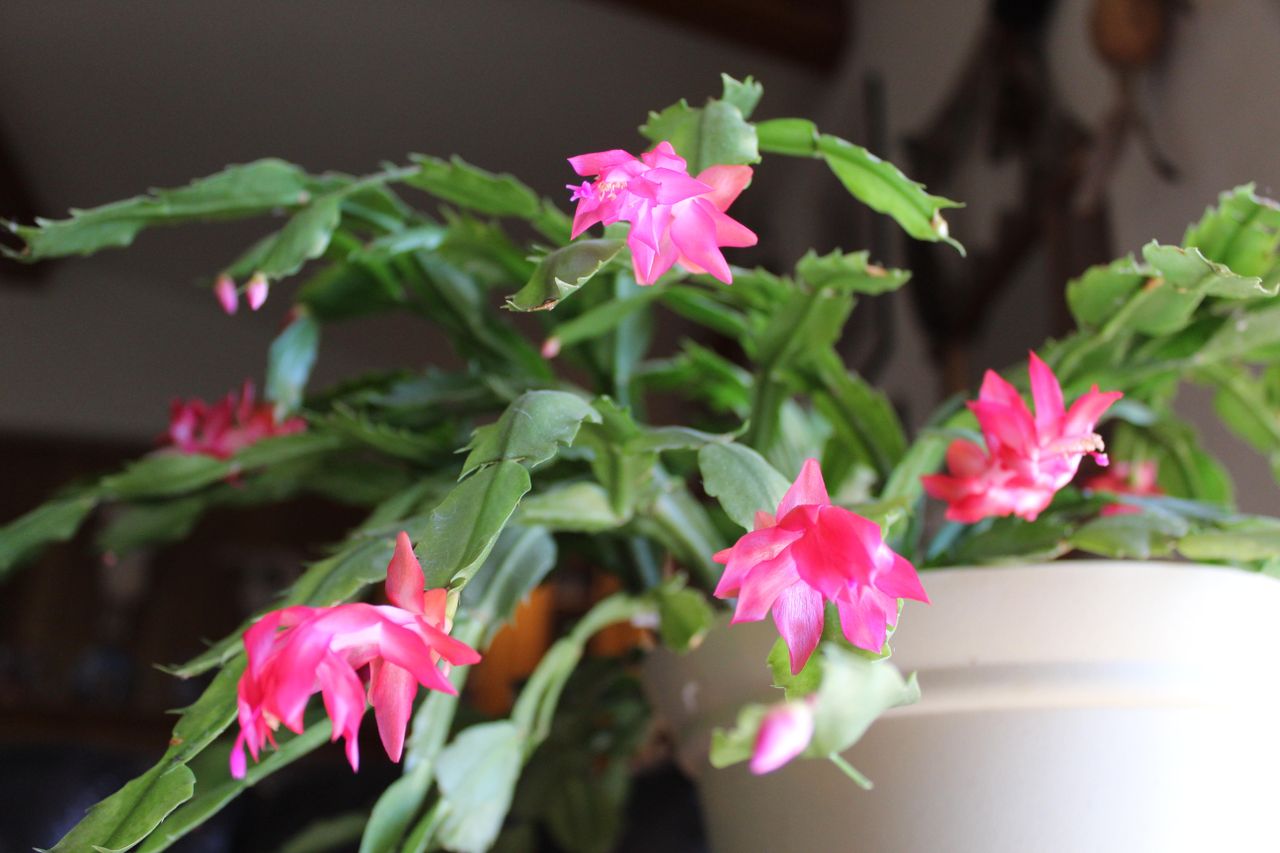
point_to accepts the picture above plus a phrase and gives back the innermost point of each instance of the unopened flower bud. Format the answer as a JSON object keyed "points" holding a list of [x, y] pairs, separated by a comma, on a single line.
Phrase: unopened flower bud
{"points": [[225, 290], [256, 291]]}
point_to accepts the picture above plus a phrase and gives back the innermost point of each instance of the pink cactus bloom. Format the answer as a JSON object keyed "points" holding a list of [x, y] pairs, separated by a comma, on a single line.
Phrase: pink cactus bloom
{"points": [[232, 423], [675, 218], [1027, 459], [225, 290], [808, 553], [336, 651], [784, 733], [1124, 478]]}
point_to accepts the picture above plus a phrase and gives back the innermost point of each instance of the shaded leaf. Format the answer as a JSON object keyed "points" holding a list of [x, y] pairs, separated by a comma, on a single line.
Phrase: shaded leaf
{"points": [[215, 787], [1102, 290], [461, 183], [519, 561], [147, 524], [716, 134], [744, 94], [741, 480], [1005, 539], [289, 363], [1134, 535], [802, 683], [245, 190], [581, 507], [854, 692], [531, 430], [604, 318], [684, 617], [55, 521], [126, 817], [849, 272], [303, 238], [1241, 232], [794, 137], [562, 272], [881, 186], [729, 746], [165, 473], [477, 774]]}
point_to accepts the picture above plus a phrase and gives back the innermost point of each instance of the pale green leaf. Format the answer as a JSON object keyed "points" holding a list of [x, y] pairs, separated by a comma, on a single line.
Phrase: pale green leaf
{"points": [[531, 430], [562, 272], [742, 481], [461, 183]]}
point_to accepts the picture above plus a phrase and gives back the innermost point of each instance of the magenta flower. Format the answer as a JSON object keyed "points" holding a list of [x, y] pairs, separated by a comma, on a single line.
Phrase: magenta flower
{"points": [[336, 651], [1027, 459], [807, 554], [784, 733], [234, 422], [675, 218], [1123, 478]]}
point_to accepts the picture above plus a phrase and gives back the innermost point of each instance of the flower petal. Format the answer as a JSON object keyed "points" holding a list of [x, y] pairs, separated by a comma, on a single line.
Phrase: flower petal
{"points": [[762, 586], [809, 489], [405, 648], [404, 576], [726, 183], [864, 620], [667, 186], [750, 550], [451, 649], [1084, 412], [797, 612], [589, 165], [694, 233], [901, 581], [1047, 395], [391, 690]]}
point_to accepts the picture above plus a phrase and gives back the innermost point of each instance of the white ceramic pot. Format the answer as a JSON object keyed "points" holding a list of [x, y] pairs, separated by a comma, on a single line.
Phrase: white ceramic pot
{"points": [[1073, 707]]}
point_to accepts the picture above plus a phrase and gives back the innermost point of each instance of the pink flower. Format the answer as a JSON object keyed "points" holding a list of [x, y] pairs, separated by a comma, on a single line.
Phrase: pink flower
{"points": [[335, 651], [674, 218], [225, 289], [784, 733], [807, 554], [232, 423], [1027, 459], [1123, 478]]}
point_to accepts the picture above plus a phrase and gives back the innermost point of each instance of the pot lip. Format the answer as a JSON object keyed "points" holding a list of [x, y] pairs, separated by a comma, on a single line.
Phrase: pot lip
{"points": [[1109, 563]]}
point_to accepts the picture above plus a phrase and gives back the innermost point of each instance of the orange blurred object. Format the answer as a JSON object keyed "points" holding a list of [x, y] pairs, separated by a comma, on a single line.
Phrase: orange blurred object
{"points": [[616, 640], [513, 654]]}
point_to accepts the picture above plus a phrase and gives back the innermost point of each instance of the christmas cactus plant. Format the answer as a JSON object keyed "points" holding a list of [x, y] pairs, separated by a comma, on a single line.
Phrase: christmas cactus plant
{"points": [[793, 491]]}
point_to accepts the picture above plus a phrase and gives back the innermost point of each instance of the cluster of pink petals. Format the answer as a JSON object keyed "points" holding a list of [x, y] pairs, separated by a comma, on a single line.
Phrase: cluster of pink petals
{"points": [[234, 422], [784, 733], [1123, 478], [335, 651], [1027, 459], [675, 218], [808, 553], [255, 292]]}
